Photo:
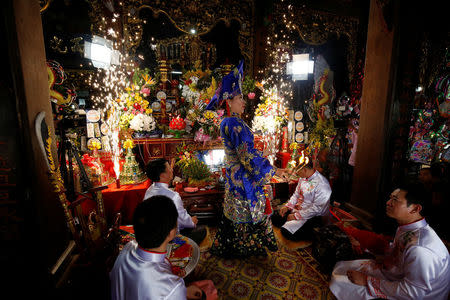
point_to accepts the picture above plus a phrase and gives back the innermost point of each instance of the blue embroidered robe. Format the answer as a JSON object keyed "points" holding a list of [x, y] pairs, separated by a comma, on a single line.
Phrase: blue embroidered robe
{"points": [[247, 171]]}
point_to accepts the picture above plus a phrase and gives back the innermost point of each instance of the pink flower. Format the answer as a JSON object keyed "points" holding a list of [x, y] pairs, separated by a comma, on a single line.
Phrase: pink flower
{"points": [[201, 137], [251, 96], [145, 91]]}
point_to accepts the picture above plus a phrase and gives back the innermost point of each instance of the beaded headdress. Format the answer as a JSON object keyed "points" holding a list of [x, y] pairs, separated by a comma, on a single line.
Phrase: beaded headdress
{"points": [[230, 87]]}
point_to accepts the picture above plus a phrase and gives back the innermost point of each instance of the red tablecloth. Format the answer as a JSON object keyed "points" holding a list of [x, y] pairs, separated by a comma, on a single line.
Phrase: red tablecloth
{"points": [[123, 200]]}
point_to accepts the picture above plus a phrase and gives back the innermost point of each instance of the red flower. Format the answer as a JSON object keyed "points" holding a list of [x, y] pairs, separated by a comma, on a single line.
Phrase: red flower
{"points": [[177, 124]]}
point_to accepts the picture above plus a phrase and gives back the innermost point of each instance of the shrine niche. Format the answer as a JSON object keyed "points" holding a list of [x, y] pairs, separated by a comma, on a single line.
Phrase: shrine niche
{"points": [[161, 40], [190, 23]]}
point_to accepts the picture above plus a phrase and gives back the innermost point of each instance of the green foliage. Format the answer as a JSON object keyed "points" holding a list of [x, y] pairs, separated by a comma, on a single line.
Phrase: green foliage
{"points": [[194, 170], [248, 85], [138, 76], [143, 78], [321, 135]]}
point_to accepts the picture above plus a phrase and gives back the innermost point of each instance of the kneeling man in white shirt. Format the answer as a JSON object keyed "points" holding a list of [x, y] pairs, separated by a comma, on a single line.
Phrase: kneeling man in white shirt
{"points": [[415, 267], [142, 271], [161, 174], [307, 207]]}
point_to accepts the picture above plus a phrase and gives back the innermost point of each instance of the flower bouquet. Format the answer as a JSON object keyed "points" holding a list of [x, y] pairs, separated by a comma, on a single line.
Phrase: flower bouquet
{"points": [[177, 126], [270, 116], [194, 171], [133, 109], [198, 88], [209, 126], [143, 126]]}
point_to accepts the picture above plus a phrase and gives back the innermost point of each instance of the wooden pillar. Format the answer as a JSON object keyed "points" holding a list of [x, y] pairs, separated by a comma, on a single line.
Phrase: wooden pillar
{"points": [[44, 235], [375, 115]]}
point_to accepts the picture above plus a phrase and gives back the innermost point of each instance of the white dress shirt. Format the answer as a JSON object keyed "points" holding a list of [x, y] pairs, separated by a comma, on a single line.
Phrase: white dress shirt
{"points": [[162, 189], [310, 199], [139, 274], [417, 267]]}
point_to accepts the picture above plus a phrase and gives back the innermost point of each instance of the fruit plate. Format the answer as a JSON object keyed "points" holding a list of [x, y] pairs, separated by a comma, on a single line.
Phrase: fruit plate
{"points": [[191, 189]]}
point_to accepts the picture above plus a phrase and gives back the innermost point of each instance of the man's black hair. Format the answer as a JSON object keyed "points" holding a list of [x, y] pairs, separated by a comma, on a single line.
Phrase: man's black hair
{"points": [[153, 220], [155, 168], [310, 164], [416, 194]]}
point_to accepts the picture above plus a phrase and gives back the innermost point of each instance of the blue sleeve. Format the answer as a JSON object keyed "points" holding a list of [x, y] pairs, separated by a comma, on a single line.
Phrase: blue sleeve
{"points": [[238, 138]]}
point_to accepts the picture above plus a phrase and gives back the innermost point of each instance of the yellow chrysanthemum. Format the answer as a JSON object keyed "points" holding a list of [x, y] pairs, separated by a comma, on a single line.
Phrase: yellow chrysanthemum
{"points": [[128, 144], [209, 115], [94, 145]]}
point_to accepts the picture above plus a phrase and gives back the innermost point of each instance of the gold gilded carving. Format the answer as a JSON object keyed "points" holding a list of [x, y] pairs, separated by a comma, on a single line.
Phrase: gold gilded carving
{"points": [[56, 44], [186, 50], [164, 69], [77, 45], [44, 4], [184, 15], [317, 27], [156, 151]]}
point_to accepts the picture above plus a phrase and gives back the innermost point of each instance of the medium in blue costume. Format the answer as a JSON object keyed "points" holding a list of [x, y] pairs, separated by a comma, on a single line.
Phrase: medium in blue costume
{"points": [[245, 230]]}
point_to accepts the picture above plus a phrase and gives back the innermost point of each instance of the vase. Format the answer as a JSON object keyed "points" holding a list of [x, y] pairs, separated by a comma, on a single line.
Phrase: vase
{"points": [[177, 134], [139, 135]]}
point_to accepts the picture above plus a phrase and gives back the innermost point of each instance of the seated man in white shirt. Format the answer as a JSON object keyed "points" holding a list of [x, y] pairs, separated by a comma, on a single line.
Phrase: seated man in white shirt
{"points": [[306, 207], [416, 265], [142, 271], [161, 174]]}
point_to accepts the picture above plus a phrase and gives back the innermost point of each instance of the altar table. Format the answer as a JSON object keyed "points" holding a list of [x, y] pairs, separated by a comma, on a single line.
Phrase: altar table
{"points": [[123, 200]]}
